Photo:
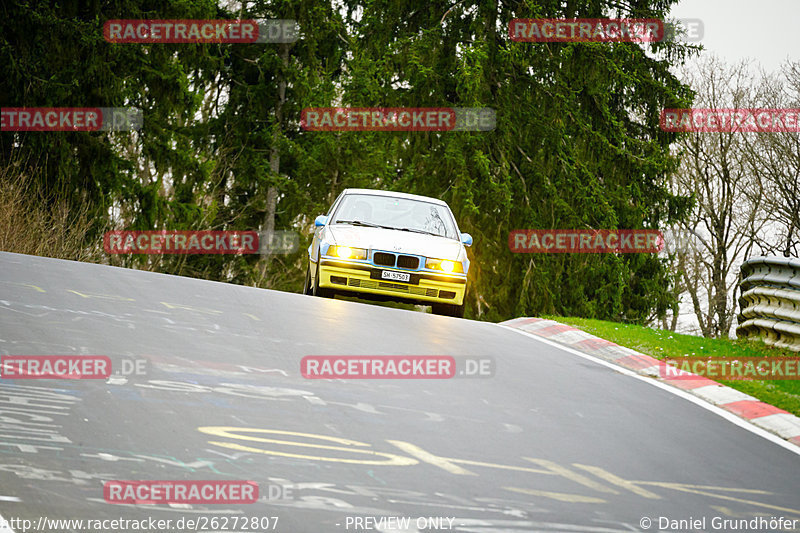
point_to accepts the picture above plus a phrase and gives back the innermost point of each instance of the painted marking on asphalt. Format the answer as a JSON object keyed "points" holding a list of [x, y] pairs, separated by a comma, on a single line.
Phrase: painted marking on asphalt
{"points": [[736, 514], [150, 506], [436, 460], [34, 287], [29, 448], [190, 308], [422, 455], [450, 505], [708, 487], [102, 296], [229, 432], [685, 488], [560, 496], [9, 499], [570, 475], [431, 417], [110, 457], [618, 481], [254, 317], [450, 464]]}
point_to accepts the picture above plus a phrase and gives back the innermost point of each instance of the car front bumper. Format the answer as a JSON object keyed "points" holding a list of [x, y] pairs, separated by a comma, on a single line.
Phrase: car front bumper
{"points": [[364, 278]]}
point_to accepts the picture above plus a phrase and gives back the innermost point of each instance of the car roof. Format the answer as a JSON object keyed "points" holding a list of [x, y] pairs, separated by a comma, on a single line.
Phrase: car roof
{"points": [[378, 192]]}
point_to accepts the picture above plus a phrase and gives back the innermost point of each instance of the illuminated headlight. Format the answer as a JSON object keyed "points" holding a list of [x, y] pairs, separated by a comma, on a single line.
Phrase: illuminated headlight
{"points": [[345, 252], [445, 265]]}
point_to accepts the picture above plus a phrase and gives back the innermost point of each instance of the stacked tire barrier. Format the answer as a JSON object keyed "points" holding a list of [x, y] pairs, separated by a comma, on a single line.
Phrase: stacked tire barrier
{"points": [[770, 301]]}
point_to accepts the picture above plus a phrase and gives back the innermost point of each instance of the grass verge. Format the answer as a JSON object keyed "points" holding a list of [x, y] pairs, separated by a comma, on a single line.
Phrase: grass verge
{"points": [[663, 344]]}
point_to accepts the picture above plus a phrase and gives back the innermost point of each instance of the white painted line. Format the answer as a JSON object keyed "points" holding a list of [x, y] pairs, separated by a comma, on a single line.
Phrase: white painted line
{"points": [[727, 415], [720, 394], [9, 499]]}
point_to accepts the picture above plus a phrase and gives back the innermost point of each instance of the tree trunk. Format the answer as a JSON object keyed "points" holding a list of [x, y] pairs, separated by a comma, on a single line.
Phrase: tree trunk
{"points": [[268, 227]]}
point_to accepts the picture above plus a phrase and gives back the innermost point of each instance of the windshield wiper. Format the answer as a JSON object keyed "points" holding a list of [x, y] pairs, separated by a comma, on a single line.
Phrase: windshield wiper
{"points": [[371, 225], [414, 230], [360, 223]]}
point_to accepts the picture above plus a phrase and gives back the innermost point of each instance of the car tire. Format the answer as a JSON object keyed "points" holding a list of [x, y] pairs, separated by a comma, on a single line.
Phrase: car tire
{"points": [[453, 310], [320, 291], [307, 284]]}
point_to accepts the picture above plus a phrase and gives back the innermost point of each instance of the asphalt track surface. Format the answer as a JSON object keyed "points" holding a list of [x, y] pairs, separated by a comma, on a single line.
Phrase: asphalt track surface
{"points": [[551, 442]]}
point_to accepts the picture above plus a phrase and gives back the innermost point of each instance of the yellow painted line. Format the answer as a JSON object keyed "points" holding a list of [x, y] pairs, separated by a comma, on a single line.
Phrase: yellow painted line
{"points": [[230, 432], [450, 464], [34, 287], [570, 475], [439, 461], [254, 317], [393, 460], [560, 496], [422, 455], [189, 308], [618, 481], [735, 514], [102, 296], [502, 467], [685, 488], [706, 487]]}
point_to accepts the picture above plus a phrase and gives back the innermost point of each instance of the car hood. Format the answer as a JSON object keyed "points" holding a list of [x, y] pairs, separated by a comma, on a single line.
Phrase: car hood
{"points": [[396, 241]]}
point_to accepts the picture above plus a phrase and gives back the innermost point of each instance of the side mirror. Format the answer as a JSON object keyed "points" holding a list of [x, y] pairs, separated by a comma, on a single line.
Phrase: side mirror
{"points": [[466, 239], [320, 221]]}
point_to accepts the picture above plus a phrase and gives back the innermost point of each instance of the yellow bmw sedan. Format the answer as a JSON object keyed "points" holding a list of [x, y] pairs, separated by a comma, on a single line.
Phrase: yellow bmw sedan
{"points": [[382, 245]]}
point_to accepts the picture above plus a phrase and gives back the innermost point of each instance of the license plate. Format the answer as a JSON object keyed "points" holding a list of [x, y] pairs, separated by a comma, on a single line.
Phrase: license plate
{"points": [[396, 276]]}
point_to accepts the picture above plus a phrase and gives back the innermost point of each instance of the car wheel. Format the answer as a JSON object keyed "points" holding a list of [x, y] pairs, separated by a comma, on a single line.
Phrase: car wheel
{"points": [[307, 284], [453, 310], [320, 291]]}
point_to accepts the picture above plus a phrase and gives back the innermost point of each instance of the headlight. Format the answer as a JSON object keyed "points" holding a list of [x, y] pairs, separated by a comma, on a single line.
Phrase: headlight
{"points": [[345, 252], [445, 265]]}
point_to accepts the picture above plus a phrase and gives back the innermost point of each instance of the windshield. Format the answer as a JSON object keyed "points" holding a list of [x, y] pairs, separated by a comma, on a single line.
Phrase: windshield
{"points": [[395, 213]]}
